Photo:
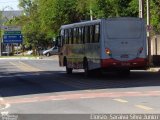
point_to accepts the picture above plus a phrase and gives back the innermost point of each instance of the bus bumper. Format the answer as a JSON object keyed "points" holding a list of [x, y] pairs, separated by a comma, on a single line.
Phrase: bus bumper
{"points": [[136, 64]]}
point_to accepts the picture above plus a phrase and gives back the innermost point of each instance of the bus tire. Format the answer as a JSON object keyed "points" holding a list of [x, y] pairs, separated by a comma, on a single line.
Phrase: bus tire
{"points": [[64, 61], [68, 70]]}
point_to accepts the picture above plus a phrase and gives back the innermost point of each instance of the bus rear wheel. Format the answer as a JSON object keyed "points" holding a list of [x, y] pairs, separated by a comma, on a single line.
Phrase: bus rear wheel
{"points": [[87, 72]]}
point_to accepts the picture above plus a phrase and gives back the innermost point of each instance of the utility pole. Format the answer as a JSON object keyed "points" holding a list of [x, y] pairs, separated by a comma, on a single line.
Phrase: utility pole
{"points": [[0, 33], [91, 15], [90, 10], [141, 8], [148, 33]]}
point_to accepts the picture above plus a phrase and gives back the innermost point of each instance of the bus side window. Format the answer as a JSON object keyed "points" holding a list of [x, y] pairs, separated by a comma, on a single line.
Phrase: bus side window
{"points": [[77, 35], [70, 36], [83, 35], [92, 34], [87, 35], [66, 36], [97, 33], [62, 37], [74, 35], [80, 36]]}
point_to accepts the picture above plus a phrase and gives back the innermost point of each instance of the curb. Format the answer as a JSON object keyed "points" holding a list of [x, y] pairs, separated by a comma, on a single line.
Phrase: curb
{"points": [[19, 58], [154, 70], [30, 58]]}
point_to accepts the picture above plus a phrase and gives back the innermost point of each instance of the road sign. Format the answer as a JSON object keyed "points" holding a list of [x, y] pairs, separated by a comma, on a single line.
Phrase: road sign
{"points": [[12, 38], [12, 32], [149, 28], [13, 28], [4, 27]]}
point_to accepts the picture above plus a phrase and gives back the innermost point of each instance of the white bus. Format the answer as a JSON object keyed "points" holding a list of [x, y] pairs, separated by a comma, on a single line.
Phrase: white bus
{"points": [[104, 44]]}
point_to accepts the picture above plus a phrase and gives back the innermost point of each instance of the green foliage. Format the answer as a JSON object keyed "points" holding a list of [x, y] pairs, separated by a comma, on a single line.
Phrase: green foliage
{"points": [[42, 18], [155, 15]]}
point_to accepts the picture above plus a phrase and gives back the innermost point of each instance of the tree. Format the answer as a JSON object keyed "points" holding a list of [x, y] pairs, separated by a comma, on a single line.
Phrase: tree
{"points": [[155, 16], [34, 36], [43, 18]]}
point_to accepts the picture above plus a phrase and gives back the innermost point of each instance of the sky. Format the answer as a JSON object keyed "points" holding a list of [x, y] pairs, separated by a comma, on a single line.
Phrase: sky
{"points": [[13, 5]]}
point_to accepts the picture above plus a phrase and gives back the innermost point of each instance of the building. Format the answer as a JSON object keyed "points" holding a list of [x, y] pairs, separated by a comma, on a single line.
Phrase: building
{"points": [[7, 15], [155, 50]]}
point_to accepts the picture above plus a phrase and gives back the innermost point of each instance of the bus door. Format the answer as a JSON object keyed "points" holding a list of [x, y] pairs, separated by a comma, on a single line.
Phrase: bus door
{"points": [[60, 47]]}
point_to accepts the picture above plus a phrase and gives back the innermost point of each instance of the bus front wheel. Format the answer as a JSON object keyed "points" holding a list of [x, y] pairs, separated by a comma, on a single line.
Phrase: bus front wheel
{"points": [[68, 70]]}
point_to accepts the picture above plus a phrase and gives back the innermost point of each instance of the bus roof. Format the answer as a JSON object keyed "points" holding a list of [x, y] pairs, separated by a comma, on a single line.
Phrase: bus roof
{"points": [[97, 22], [81, 24]]}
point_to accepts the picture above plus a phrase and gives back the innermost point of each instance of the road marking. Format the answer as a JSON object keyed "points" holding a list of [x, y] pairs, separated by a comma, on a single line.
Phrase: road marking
{"points": [[121, 100], [25, 67], [19, 66], [88, 97], [7, 105], [78, 96], [58, 99], [1, 99], [30, 67], [4, 113], [4, 106], [144, 107]]}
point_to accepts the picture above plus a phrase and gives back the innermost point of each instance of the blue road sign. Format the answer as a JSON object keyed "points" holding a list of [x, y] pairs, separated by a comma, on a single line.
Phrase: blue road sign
{"points": [[12, 38]]}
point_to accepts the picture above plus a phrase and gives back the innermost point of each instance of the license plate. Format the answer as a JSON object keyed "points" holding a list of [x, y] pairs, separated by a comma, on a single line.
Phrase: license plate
{"points": [[124, 56], [125, 64]]}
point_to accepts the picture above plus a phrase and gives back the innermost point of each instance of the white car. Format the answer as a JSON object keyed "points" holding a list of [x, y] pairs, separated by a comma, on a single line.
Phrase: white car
{"points": [[30, 52], [51, 51]]}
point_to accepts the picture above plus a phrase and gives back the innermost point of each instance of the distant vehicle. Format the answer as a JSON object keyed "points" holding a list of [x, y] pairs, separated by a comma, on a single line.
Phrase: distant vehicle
{"points": [[117, 44], [5, 53], [51, 51], [30, 52]]}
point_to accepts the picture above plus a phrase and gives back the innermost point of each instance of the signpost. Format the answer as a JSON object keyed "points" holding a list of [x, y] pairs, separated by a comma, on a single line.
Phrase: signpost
{"points": [[12, 32], [12, 35], [12, 38]]}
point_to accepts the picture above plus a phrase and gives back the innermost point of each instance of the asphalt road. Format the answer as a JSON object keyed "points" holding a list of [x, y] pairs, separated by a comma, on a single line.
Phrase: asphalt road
{"points": [[42, 87]]}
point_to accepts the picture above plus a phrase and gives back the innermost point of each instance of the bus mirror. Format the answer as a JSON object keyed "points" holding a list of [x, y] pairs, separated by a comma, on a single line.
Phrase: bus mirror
{"points": [[58, 41]]}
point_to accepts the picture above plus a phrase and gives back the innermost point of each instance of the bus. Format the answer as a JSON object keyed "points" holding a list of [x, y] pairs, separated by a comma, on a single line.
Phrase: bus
{"points": [[118, 44]]}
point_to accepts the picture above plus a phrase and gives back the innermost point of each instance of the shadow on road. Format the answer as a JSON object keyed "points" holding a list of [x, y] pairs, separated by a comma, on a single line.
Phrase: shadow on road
{"points": [[15, 84]]}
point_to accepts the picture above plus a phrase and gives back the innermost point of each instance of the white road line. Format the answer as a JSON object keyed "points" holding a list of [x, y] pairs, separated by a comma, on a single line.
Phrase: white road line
{"points": [[121, 100], [30, 67], [4, 113], [6, 104], [1, 99], [143, 107], [59, 99]]}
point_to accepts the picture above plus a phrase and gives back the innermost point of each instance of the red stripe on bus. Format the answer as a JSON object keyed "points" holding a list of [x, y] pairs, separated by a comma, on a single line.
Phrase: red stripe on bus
{"points": [[138, 62]]}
